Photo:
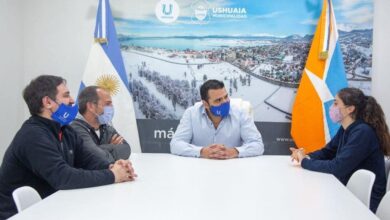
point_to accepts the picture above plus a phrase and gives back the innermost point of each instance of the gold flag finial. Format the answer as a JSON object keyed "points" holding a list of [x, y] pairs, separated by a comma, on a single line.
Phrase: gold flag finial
{"points": [[324, 55], [101, 40]]}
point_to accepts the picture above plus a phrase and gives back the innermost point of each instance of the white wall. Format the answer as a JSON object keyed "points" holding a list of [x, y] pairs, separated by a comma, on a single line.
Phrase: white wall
{"points": [[40, 37], [58, 35], [54, 37], [11, 71], [381, 55]]}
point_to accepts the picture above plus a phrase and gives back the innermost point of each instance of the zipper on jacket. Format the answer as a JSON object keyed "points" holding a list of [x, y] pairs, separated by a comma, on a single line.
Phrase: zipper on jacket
{"points": [[341, 143], [62, 144]]}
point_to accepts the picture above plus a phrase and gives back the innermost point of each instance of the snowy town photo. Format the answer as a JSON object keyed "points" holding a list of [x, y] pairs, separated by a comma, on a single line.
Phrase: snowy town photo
{"points": [[265, 71], [258, 49], [259, 53]]}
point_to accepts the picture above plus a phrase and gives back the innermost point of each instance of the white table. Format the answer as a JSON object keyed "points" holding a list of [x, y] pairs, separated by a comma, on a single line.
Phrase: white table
{"points": [[173, 187]]}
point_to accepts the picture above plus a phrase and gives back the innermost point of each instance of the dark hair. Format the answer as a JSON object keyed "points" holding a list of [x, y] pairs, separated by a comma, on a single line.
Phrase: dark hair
{"points": [[89, 94], [368, 109], [210, 84], [44, 85]]}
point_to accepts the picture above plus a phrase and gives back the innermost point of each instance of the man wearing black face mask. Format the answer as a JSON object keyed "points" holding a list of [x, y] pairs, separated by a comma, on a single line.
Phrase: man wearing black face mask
{"points": [[213, 129], [46, 153], [94, 125]]}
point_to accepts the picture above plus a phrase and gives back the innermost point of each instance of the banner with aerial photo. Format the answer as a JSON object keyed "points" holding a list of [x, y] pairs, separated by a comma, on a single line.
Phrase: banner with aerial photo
{"points": [[257, 48]]}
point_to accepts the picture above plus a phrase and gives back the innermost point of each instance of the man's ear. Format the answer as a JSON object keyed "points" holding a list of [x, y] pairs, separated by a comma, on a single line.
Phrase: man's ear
{"points": [[47, 102], [91, 106], [205, 104]]}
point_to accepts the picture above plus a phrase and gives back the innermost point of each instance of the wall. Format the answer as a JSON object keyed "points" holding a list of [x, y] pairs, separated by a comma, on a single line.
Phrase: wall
{"points": [[40, 37], [381, 55], [54, 37], [11, 71], [58, 37]]}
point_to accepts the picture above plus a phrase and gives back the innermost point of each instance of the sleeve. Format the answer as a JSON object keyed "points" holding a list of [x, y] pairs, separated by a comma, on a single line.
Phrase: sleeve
{"points": [[355, 150], [180, 143], [45, 159], [87, 158], [329, 151], [251, 137], [90, 147], [118, 151]]}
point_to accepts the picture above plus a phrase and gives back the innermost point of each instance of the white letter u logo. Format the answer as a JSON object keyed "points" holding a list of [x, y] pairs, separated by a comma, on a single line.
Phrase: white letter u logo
{"points": [[167, 12]]}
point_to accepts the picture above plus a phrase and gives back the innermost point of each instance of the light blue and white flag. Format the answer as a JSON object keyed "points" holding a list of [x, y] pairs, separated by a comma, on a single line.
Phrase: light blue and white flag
{"points": [[105, 68]]}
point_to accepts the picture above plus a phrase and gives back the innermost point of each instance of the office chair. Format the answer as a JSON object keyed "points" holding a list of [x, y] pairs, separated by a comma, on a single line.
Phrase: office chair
{"points": [[383, 211], [387, 168], [360, 184], [242, 104], [25, 196]]}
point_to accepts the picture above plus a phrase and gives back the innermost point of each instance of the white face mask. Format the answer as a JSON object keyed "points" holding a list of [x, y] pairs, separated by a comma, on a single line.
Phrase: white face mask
{"points": [[107, 115], [335, 114]]}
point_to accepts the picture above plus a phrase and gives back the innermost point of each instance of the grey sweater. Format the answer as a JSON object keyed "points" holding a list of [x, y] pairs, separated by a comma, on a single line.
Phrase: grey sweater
{"points": [[101, 145]]}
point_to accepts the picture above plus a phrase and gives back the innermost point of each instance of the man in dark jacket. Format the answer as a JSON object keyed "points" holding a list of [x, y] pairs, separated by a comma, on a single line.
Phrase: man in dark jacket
{"points": [[46, 153], [94, 125]]}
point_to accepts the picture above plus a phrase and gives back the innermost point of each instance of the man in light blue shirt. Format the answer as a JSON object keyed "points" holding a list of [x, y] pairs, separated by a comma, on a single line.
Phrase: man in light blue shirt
{"points": [[214, 129]]}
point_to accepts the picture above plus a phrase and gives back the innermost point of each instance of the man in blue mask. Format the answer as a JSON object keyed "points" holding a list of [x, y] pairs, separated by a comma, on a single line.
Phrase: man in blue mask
{"points": [[46, 153], [94, 125], [215, 129]]}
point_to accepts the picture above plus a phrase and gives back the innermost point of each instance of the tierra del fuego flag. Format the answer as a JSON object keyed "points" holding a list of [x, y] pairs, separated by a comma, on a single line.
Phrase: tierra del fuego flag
{"points": [[105, 68], [322, 78]]}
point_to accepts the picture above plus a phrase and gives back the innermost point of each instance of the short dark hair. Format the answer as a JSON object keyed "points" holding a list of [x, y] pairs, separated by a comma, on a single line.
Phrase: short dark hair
{"points": [[44, 85], [210, 84], [89, 94]]}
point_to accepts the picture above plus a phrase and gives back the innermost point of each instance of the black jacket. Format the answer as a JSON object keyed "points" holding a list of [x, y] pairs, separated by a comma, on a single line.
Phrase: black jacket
{"points": [[101, 145], [48, 158], [354, 148]]}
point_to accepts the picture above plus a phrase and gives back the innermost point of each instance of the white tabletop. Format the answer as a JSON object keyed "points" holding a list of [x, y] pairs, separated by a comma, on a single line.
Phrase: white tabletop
{"points": [[173, 187]]}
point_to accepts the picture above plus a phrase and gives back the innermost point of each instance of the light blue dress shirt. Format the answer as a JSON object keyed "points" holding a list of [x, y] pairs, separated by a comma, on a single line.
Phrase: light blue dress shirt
{"points": [[196, 131]]}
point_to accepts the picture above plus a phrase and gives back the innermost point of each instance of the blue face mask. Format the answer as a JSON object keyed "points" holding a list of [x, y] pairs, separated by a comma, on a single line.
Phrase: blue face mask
{"points": [[107, 115], [221, 110], [65, 114]]}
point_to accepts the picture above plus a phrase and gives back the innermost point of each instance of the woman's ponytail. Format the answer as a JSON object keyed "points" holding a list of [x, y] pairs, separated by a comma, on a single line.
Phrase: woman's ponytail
{"points": [[374, 116], [368, 109]]}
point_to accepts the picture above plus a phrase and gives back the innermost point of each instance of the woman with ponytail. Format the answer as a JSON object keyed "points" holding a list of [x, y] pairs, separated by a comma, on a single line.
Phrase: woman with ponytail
{"points": [[361, 142]]}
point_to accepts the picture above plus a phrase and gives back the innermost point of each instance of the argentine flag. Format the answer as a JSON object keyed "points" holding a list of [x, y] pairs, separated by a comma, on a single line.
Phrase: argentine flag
{"points": [[105, 68], [323, 76]]}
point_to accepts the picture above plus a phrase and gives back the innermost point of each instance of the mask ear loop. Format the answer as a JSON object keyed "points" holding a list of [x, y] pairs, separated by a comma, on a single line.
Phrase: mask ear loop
{"points": [[54, 102], [95, 113], [352, 113]]}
